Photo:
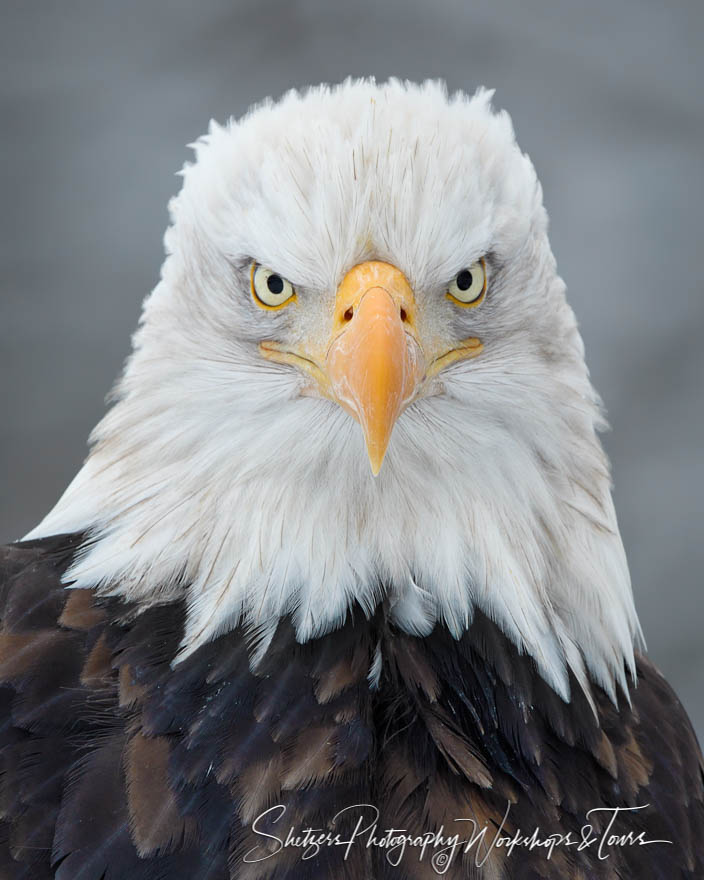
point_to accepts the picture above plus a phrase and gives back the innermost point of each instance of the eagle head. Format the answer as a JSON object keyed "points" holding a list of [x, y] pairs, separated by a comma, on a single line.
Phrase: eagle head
{"points": [[358, 380]]}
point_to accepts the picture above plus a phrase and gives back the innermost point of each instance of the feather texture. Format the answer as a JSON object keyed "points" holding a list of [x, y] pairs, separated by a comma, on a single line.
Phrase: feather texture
{"points": [[228, 481], [118, 764]]}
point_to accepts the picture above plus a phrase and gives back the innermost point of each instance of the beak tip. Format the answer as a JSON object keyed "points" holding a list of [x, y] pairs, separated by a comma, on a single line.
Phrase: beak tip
{"points": [[376, 460]]}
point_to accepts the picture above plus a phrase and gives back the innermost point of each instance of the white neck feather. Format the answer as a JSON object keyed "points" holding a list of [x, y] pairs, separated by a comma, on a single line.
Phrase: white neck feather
{"points": [[525, 532]]}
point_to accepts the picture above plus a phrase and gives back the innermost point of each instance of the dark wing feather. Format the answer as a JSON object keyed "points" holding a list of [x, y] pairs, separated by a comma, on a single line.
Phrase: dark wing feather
{"points": [[550, 762], [116, 763]]}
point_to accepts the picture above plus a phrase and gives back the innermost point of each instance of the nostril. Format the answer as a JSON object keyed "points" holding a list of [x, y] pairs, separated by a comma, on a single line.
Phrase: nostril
{"points": [[348, 314], [404, 315]]}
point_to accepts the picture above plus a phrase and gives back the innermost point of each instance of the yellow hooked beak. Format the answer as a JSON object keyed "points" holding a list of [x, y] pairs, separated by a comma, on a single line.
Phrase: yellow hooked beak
{"points": [[373, 362]]}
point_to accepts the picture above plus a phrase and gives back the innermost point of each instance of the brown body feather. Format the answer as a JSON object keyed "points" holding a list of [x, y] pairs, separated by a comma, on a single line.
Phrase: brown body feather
{"points": [[116, 764]]}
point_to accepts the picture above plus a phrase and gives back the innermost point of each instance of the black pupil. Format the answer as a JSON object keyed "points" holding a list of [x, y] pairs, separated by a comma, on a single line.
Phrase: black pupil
{"points": [[275, 283], [464, 279]]}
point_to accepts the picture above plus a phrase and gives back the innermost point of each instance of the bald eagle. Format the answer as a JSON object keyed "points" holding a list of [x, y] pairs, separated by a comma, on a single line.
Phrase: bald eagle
{"points": [[339, 591]]}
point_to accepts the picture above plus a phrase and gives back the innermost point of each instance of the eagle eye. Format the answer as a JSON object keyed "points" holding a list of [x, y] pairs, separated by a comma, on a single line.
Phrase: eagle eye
{"points": [[469, 286], [269, 289]]}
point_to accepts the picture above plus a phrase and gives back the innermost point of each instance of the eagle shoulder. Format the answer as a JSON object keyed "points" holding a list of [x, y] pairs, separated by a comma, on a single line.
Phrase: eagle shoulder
{"points": [[480, 741], [117, 763]]}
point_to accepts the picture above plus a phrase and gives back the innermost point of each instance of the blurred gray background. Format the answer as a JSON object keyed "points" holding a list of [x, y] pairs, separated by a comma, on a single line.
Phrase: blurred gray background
{"points": [[98, 100]]}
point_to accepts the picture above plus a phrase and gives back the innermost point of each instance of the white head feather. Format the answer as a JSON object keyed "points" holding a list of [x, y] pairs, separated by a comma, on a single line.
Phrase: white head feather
{"points": [[213, 477]]}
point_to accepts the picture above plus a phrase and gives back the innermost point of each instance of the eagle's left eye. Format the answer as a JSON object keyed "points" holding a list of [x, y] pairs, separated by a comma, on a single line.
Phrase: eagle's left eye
{"points": [[469, 287], [269, 289]]}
